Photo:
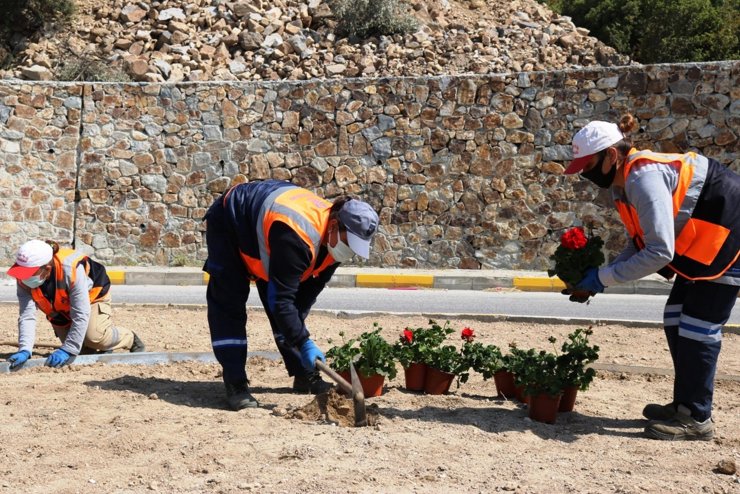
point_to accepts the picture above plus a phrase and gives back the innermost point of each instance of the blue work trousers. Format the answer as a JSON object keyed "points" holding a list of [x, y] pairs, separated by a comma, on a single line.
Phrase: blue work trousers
{"points": [[226, 296], [694, 316]]}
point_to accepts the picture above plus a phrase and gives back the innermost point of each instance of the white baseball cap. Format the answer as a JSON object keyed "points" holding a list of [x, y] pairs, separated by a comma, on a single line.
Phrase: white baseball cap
{"points": [[594, 137], [29, 258]]}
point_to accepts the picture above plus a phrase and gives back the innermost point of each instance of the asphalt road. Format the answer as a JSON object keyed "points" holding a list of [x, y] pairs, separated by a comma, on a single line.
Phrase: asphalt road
{"points": [[510, 303]]}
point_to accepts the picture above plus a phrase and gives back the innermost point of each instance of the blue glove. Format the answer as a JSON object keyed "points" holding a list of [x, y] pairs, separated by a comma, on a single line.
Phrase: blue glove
{"points": [[18, 359], [58, 358], [309, 353], [591, 282]]}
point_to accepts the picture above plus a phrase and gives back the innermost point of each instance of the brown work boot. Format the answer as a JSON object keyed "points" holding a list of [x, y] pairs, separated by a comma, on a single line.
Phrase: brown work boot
{"points": [[682, 427], [655, 411]]}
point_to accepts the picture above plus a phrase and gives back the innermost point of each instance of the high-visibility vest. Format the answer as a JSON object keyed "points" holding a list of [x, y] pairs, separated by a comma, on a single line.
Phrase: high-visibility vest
{"points": [[267, 202], [66, 261], [706, 213]]}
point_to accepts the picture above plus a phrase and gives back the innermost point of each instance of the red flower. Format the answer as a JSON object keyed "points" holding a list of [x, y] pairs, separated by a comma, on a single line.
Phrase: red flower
{"points": [[574, 239], [407, 335], [467, 334]]}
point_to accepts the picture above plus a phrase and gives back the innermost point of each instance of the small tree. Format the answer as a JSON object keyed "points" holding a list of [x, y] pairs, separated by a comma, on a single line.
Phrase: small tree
{"points": [[365, 18], [661, 31]]}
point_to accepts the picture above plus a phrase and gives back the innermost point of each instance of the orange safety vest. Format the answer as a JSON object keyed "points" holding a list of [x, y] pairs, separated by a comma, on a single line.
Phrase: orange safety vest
{"points": [[65, 272], [305, 213], [701, 248]]}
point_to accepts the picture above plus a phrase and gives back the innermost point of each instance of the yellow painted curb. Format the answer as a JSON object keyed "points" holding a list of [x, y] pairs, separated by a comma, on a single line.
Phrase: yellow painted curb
{"points": [[117, 277], [538, 284], [393, 280]]}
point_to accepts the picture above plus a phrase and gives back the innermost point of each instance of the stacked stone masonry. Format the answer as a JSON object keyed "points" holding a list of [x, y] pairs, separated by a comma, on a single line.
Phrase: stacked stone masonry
{"points": [[465, 171]]}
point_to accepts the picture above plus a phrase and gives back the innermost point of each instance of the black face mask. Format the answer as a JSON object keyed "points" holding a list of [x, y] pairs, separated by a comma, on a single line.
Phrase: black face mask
{"points": [[603, 180]]}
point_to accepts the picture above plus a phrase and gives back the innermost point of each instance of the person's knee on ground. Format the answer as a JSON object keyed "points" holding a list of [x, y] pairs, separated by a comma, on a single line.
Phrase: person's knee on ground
{"points": [[113, 339]]}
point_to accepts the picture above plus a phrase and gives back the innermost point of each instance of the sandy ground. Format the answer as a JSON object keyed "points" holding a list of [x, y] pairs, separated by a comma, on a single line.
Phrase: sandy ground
{"points": [[166, 428]]}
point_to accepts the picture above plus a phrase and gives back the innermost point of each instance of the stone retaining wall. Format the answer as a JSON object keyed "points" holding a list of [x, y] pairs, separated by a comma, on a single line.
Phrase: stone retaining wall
{"points": [[465, 172]]}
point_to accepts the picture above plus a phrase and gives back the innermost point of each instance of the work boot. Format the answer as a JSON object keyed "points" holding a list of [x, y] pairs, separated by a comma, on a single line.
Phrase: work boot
{"points": [[682, 427], [655, 411], [311, 383], [138, 345], [239, 396]]}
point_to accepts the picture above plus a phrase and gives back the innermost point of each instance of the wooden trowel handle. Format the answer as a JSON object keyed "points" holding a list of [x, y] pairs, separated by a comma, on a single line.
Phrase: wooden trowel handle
{"points": [[341, 382]]}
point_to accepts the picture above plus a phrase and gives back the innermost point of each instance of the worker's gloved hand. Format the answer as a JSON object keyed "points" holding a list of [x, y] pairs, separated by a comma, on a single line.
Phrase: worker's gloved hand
{"points": [[309, 353], [57, 358], [580, 296], [18, 359], [591, 282]]}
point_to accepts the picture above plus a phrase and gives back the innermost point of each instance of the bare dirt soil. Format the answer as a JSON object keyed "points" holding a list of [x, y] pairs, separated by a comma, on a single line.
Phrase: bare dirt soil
{"points": [[166, 428]]}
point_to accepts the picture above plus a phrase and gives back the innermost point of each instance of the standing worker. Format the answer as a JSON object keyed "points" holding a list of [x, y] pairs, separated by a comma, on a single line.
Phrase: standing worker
{"points": [[73, 291], [290, 241], [682, 216]]}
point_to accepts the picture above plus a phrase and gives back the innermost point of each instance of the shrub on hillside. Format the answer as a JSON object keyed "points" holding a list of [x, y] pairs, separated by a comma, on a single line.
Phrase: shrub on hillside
{"points": [[25, 14], [661, 31], [89, 70], [364, 18]]}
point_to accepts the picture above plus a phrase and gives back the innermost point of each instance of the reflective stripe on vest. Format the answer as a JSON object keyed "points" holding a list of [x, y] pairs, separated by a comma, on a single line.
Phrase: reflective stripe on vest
{"points": [[696, 239], [305, 213], [65, 271]]}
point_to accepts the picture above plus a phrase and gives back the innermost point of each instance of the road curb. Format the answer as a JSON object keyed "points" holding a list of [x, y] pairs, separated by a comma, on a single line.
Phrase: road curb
{"points": [[454, 280]]}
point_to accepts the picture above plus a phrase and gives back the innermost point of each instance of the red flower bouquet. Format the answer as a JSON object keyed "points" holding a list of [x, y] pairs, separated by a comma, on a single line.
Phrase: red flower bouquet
{"points": [[575, 255]]}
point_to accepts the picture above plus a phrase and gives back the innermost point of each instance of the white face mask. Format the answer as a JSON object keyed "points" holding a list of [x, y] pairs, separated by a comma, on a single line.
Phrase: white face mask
{"points": [[341, 252], [34, 281]]}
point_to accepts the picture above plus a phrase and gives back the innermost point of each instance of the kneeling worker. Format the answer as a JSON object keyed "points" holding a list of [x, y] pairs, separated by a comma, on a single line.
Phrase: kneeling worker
{"points": [[290, 241], [73, 291]]}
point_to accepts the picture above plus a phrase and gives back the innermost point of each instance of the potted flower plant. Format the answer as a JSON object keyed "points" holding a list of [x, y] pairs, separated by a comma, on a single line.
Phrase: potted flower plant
{"points": [[447, 362], [412, 350], [513, 364], [576, 354], [372, 356], [483, 359], [444, 363], [539, 374], [575, 255], [500, 364]]}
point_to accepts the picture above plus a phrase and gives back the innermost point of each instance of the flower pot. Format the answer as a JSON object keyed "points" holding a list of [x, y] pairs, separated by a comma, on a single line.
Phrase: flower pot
{"points": [[519, 394], [568, 401], [371, 385], [415, 374], [544, 407], [437, 382], [505, 383]]}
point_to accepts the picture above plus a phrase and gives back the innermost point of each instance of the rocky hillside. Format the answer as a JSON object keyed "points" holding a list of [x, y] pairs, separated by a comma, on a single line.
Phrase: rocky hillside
{"points": [[172, 40]]}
